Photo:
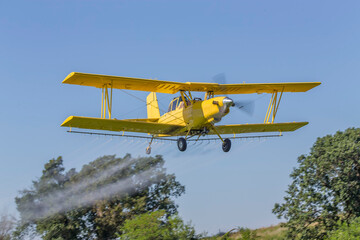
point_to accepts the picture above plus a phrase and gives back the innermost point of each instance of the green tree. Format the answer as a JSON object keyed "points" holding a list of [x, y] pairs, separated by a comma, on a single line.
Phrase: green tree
{"points": [[346, 231], [96, 201], [325, 187], [155, 226]]}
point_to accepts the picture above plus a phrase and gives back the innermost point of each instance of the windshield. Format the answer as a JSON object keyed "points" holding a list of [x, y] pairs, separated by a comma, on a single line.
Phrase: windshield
{"points": [[176, 103]]}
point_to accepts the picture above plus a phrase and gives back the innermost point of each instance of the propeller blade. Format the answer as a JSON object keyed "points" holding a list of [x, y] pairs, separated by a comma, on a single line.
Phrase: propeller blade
{"points": [[220, 79], [245, 106]]}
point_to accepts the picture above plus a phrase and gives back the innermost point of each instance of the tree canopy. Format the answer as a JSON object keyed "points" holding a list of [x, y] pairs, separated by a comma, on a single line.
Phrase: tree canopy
{"points": [[154, 226], [346, 231], [95, 202], [325, 188]]}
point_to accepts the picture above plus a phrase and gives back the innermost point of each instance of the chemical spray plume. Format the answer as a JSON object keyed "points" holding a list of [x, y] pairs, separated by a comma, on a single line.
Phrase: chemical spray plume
{"points": [[88, 191]]}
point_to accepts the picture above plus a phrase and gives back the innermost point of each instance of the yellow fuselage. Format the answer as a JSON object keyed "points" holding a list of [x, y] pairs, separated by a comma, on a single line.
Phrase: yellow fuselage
{"points": [[198, 114]]}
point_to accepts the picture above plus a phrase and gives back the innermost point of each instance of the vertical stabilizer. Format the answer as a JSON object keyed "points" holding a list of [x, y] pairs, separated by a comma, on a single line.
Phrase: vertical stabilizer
{"points": [[152, 106]]}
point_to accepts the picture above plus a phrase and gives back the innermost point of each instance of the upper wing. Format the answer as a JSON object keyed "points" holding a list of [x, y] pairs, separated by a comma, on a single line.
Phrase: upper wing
{"points": [[255, 128], [121, 125], [150, 85], [247, 88]]}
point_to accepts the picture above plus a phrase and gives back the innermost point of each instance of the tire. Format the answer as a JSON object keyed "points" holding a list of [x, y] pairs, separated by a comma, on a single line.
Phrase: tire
{"points": [[148, 150], [226, 145], [181, 143]]}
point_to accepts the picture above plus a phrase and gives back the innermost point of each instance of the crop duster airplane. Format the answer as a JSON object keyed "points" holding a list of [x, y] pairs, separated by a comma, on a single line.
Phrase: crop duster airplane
{"points": [[186, 116]]}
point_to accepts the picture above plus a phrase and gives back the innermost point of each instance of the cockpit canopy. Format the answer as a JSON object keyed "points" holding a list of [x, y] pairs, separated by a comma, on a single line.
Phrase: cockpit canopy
{"points": [[177, 103]]}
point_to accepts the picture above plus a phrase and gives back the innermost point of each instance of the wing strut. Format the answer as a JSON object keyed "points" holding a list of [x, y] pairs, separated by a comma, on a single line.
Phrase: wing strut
{"points": [[106, 100], [187, 96], [273, 106]]}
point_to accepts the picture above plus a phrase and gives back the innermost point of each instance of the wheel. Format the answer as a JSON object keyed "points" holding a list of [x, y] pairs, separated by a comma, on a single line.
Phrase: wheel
{"points": [[226, 145], [181, 142], [148, 150]]}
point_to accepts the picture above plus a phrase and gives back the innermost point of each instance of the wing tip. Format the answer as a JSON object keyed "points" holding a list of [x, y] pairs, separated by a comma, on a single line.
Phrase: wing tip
{"points": [[67, 121], [70, 75], [317, 84], [313, 85], [301, 124]]}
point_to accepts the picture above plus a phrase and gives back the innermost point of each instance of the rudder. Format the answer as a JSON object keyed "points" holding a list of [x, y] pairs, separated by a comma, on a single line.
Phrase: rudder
{"points": [[152, 106]]}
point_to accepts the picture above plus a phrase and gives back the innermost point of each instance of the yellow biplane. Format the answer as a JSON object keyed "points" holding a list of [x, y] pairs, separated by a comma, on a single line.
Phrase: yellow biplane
{"points": [[187, 116]]}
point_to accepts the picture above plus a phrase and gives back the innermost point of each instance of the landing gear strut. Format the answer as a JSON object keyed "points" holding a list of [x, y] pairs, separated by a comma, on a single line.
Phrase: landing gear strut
{"points": [[226, 145], [181, 143]]}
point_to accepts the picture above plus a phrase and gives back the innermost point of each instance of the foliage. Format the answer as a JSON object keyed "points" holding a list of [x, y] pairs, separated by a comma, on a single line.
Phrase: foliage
{"points": [[325, 187], [266, 233], [223, 235], [247, 234], [95, 202], [155, 225], [7, 224], [346, 231]]}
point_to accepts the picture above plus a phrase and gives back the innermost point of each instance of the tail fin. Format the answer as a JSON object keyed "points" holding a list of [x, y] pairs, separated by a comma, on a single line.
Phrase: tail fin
{"points": [[152, 106]]}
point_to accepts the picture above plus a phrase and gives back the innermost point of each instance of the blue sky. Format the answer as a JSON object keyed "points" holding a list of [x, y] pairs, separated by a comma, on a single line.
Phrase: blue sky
{"points": [[252, 41]]}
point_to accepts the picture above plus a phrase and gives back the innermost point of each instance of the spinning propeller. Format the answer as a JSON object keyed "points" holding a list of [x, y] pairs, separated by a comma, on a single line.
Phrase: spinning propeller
{"points": [[245, 106]]}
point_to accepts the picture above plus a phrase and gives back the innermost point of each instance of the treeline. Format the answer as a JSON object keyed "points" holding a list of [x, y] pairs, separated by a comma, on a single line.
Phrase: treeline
{"points": [[109, 198], [133, 198]]}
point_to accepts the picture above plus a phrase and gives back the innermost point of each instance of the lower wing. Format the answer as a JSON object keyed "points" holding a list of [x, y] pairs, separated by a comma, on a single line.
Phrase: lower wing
{"points": [[121, 125], [256, 128]]}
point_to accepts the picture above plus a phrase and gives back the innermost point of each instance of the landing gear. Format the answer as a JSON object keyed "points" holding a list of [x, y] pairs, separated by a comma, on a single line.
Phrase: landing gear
{"points": [[226, 145], [205, 131], [181, 142]]}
